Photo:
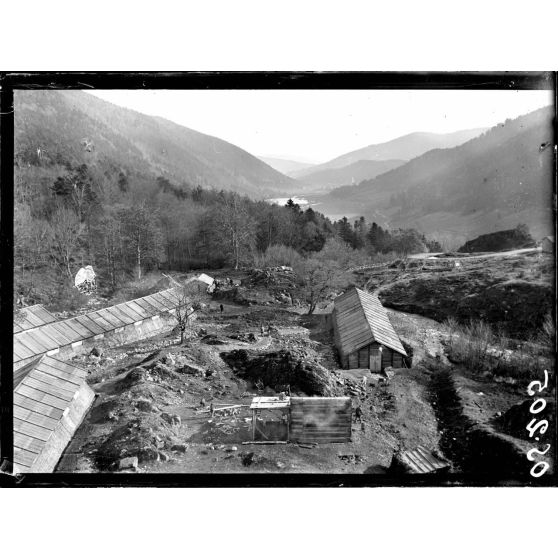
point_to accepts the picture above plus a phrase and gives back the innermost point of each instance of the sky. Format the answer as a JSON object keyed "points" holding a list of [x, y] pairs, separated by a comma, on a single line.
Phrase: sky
{"points": [[314, 126]]}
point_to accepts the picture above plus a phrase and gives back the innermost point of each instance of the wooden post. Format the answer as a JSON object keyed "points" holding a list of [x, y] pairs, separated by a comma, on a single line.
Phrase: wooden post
{"points": [[253, 424]]}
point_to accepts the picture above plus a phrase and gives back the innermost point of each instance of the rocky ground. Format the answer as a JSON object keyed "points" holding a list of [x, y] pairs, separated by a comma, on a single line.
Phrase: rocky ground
{"points": [[154, 398]]}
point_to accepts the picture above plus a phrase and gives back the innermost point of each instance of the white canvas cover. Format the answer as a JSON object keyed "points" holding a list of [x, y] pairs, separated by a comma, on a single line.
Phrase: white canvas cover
{"points": [[84, 274], [206, 279]]}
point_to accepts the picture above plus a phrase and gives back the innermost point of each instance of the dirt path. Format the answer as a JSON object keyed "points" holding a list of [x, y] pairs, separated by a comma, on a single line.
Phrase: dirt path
{"points": [[505, 254], [424, 334]]}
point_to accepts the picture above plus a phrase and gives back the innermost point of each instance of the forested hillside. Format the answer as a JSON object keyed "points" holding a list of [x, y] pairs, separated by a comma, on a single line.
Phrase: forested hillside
{"points": [[61, 126], [493, 182], [98, 199]]}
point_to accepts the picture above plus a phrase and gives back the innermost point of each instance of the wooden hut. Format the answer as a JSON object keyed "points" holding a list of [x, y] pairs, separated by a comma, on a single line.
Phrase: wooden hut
{"points": [[320, 419], [363, 333], [206, 282]]}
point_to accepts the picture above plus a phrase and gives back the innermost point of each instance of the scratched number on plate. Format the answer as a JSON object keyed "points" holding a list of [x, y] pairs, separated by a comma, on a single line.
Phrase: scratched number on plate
{"points": [[537, 427]]}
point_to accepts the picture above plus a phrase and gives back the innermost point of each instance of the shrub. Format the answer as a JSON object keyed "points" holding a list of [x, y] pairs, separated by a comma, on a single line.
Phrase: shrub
{"points": [[479, 348], [469, 344], [68, 299], [276, 255]]}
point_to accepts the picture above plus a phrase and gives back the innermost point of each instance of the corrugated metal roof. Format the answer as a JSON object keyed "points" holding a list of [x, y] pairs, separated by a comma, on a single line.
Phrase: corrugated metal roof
{"points": [[41, 399], [361, 319], [52, 335], [32, 316], [420, 460]]}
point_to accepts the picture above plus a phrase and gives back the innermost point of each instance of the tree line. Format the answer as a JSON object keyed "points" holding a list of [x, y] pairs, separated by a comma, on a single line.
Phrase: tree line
{"points": [[374, 239], [124, 225]]}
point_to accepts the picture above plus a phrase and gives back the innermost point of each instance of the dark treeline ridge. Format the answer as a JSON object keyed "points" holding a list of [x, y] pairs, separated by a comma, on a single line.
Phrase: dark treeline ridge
{"points": [[70, 214]]}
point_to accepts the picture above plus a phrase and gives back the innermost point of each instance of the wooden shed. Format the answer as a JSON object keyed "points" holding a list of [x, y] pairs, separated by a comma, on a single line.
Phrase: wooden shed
{"points": [[205, 281], [320, 419], [51, 398], [363, 333]]}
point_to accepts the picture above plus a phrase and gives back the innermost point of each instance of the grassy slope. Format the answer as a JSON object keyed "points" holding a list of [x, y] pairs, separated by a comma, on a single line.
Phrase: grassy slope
{"points": [[512, 293]]}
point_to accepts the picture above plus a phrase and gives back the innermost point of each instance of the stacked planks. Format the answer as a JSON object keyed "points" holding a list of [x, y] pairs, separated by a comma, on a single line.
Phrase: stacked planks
{"points": [[320, 419]]}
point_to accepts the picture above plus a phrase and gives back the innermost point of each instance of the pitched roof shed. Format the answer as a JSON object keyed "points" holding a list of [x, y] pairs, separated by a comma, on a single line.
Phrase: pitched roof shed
{"points": [[361, 320]]}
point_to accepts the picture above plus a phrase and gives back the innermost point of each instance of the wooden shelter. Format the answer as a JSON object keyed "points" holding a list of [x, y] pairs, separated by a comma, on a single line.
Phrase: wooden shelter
{"points": [[417, 461], [363, 333], [268, 405], [320, 419], [51, 398], [306, 419], [205, 281]]}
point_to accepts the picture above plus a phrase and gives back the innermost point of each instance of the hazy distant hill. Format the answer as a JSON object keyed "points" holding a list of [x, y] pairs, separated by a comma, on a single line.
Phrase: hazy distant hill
{"points": [[405, 147], [63, 123], [490, 183], [285, 166], [355, 172]]}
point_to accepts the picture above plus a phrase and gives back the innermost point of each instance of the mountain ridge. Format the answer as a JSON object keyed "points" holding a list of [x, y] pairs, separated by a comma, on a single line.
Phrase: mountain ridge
{"points": [[493, 182], [357, 172], [404, 147], [151, 144], [285, 166]]}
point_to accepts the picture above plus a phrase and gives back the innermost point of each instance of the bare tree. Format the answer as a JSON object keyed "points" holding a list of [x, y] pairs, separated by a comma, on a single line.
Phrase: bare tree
{"points": [[189, 303], [237, 227], [65, 233], [141, 236], [317, 279]]}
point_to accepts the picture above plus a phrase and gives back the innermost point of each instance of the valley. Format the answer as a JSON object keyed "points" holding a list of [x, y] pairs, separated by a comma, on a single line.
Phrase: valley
{"points": [[382, 313]]}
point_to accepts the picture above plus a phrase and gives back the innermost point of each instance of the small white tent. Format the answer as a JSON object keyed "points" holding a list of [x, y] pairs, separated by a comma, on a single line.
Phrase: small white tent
{"points": [[85, 279]]}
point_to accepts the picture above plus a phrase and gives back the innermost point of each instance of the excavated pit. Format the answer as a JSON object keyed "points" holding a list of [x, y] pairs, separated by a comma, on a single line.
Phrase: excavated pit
{"points": [[280, 369]]}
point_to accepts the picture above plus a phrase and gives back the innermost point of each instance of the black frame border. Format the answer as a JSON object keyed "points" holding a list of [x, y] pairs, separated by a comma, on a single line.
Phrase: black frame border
{"points": [[10, 81]]}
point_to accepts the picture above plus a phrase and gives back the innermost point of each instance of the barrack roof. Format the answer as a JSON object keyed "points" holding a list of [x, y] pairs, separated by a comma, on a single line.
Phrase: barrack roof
{"points": [[50, 336], [32, 316], [42, 398], [361, 320]]}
